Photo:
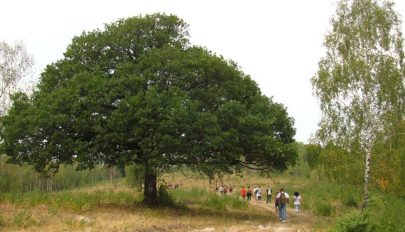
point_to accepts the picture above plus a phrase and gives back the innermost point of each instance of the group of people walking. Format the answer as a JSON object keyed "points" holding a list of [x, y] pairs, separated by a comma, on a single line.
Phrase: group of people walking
{"points": [[223, 190], [256, 192], [281, 199]]}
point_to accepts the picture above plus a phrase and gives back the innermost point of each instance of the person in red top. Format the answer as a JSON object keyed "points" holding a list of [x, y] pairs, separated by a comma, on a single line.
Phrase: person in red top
{"points": [[243, 193]]}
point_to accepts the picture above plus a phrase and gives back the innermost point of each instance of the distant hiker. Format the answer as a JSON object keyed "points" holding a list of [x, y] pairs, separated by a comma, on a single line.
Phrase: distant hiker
{"points": [[297, 201], [243, 193], [221, 190], [269, 196], [259, 193], [230, 189], [276, 201], [225, 190], [282, 206], [249, 194], [255, 191]]}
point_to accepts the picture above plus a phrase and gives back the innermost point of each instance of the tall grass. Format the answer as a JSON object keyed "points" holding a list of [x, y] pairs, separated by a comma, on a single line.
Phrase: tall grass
{"points": [[74, 200], [328, 198], [15, 178], [206, 199]]}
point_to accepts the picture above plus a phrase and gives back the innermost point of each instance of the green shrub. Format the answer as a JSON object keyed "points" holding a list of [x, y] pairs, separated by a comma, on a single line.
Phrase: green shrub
{"points": [[71, 200], [384, 213], [215, 202], [354, 222], [350, 201], [194, 196], [237, 203], [164, 198], [325, 209]]}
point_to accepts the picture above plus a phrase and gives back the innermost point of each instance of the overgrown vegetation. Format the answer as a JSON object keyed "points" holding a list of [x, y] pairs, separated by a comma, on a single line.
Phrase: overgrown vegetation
{"points": [[385, 213], [15, 178], [74, 200]]}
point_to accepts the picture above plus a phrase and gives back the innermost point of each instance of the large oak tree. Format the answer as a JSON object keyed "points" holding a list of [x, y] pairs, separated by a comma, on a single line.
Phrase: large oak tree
{"points": [[138, 93]]}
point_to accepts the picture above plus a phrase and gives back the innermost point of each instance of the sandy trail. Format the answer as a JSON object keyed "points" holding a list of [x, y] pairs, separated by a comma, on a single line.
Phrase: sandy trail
{"points": [[295, 222]]}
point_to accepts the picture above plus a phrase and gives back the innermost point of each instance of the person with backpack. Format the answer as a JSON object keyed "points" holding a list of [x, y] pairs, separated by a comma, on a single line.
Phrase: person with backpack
{"points": [[255, 189], [269, 196], [284, 199], [297, 201], [249, 194]]}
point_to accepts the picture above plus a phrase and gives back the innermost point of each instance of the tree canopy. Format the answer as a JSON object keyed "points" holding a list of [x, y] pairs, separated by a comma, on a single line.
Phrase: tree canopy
{"points": [[138, 93]]}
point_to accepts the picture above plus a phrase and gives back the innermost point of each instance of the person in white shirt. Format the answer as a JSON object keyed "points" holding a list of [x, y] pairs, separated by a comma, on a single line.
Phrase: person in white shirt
{"points": [[255, 192], [297, 201], [283, 199], [259, 193], [268, 191]]}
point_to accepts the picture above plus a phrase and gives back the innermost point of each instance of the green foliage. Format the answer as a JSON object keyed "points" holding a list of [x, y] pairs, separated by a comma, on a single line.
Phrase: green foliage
{"points": [[164, 197], [215, 202], [301, 167], [351, 201], [329, 198], [77, 200], [389, 165], [325, 209], [135, 175], [340, 165], [360, 81], [353, 222], [312, 153], [15, 178], [138, 93], [383, 214], [210, 200]]}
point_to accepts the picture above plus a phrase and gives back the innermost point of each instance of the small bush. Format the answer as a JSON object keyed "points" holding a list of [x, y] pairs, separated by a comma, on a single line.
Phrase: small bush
{"points": [[237, 203], [384, 213], [216, 202], [350, 201], [164, 198], [354, 222], [325, 209]]}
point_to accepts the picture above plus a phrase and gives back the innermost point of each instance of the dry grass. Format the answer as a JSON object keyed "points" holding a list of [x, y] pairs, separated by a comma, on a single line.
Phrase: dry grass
{"points": [[131, 218], [136, 217]]}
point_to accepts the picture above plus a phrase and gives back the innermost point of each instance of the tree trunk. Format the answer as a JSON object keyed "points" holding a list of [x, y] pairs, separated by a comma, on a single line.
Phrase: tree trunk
{"points": [[150, 187], [366, 178]]}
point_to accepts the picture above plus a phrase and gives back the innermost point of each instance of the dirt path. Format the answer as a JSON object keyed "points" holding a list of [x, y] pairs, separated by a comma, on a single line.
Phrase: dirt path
{"points": [[295, 222]]}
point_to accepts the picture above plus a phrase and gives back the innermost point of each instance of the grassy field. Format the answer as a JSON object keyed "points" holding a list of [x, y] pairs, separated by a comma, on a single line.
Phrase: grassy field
{"points": [[198, 208]]}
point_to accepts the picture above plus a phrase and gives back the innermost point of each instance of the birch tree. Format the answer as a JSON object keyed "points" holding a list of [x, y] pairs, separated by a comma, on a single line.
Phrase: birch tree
{"points": [[360, 81], [15, 63]]}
